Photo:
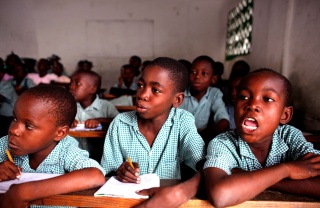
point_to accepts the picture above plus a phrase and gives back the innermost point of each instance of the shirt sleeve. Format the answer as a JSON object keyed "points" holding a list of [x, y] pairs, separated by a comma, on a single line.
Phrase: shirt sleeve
{"points": [[192, 147], [111, 110], [220, 155], [218, 107], [76, 158], [112, 157], [298, 145]]}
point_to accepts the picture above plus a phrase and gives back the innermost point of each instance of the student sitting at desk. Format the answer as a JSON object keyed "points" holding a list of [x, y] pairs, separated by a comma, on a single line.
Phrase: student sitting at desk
{"points": [[263, 152], [205, 102], [158, 136], [39, 143], [91, 110]]}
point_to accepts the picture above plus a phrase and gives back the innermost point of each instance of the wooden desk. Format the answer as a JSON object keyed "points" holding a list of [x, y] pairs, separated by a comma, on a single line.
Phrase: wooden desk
{"points": [[266, 199], [125, 108], [88, 134]]}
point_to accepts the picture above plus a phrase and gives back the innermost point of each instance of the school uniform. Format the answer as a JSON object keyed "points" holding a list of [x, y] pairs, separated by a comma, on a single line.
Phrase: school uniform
{"points": [[210, 105], [99, 108], [65, 157], [227, 150], [177, 141]]}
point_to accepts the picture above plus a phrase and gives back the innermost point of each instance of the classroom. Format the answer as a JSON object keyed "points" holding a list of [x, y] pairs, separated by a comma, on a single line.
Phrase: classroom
{"points": [[284, 36]]}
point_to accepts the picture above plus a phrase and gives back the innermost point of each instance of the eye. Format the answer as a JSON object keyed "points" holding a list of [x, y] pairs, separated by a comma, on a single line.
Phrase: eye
{"points": [[77, 83], [155, 90], [140, 85], [14, 119], [243, 97], [205, 74], [192, 72], [267, 99], [29, 127]]}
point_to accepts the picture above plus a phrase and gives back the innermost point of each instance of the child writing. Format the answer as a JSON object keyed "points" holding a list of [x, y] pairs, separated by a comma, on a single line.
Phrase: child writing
{"points": [[205, 102], [38, 142], [264, 152], [158, 136], [91, 110]]}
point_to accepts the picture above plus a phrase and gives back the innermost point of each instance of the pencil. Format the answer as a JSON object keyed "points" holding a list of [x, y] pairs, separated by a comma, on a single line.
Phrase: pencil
{"points": [[11, 160], [130, 162]]}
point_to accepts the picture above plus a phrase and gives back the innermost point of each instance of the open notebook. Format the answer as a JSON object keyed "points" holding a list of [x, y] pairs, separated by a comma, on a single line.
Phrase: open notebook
{"points": [[115, 188], [81, 127], [25, 177]]}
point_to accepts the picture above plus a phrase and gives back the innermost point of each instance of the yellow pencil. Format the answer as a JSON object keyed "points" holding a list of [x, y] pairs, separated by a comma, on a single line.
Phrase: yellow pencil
{"points": [[11, 160], [130, 162]]}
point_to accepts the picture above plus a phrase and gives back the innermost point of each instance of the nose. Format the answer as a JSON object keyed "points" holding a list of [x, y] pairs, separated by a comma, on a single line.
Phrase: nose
{"points": [[253, 105], [14, 129], [143, 94]]}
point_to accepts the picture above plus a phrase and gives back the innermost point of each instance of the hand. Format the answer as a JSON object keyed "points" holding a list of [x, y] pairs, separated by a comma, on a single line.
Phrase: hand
{"points": [[91, 123], [127, 174], [168, 196], [308, 166], [74, 123], [13, 198], [9, 171]]}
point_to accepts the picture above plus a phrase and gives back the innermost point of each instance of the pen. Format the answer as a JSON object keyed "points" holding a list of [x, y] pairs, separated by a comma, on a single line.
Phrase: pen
{"points": [[130, 162], [11, 160]]}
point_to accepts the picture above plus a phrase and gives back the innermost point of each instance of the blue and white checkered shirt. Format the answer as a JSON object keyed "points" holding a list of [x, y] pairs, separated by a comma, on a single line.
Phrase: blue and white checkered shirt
{"points": [[210, 104], [228, 150], [177, 141], [65, 157]]}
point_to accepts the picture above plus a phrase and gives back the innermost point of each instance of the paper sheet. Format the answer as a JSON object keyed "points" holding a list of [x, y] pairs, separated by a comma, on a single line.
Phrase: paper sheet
{"points": [[25, 177], [115, 188], [81, 127]]}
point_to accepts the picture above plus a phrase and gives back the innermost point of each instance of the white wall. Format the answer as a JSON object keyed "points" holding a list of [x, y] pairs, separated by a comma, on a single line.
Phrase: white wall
{"points": [[285, 36]]}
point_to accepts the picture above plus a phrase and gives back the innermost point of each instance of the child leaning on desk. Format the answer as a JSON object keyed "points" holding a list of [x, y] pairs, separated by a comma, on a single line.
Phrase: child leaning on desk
{"points": [[264, 152], [91, 110], [38, 142], [157, 136]]}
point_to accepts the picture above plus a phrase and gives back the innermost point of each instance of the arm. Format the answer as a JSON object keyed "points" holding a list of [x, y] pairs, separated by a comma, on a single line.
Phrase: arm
{"points": [[223, 189], [21, 194], [94, 122], [171, 196]]}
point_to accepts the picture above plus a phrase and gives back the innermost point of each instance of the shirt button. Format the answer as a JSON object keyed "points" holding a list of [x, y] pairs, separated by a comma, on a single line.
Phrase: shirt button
{"points": [[150, 170]]}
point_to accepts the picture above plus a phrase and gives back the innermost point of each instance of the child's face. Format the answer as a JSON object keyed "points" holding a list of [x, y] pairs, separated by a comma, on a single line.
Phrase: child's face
{"points": [[201, 76], [42, 68], [128, 75], [81, 86], [232, 91], [260, 107], [33, 129], [155, 95]]}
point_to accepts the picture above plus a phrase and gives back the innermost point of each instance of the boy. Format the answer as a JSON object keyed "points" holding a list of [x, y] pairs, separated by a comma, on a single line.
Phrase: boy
{"points": [[158, 135], [263, 152], [38, 142], [205, 102], [91, 110], [126, 78]]}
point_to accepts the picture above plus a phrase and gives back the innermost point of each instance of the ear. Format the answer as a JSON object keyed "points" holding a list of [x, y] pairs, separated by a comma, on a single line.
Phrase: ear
{"points": [[214, 79], [93, 89], [61, 133], [286, 115], [178, 99]]}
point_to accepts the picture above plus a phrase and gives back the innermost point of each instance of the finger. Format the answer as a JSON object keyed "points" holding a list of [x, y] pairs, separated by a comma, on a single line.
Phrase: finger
{"points": [[125, 175], [146, 192], [307, 156]]}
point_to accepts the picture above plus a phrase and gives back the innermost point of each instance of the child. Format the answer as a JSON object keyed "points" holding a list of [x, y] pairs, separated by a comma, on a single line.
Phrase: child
{"points": [[42, 77], [91, 110], [157, 136], [126, 78], [39, 143], [205, 102], [263, 152]]}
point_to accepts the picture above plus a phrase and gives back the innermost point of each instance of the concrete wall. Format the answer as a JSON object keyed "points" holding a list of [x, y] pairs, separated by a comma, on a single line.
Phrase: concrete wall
{"points": [[285, 36]]}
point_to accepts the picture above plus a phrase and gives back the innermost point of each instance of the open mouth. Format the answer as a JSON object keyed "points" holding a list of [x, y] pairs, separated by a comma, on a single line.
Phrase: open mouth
{"points": [[250, 124]]}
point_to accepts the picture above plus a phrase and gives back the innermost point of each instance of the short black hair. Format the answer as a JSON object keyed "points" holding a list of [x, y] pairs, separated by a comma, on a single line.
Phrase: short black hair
{"points": [[94, 76], [59, 101], [206, 58], [137, 58], [286, 83], [177, 72], [240, 68]]}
